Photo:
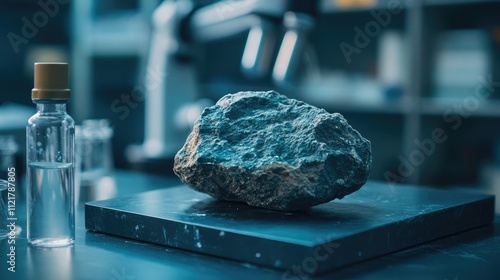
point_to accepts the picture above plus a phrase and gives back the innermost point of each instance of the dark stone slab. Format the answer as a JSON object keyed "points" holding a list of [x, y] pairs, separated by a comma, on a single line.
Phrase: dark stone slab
{"points": [[374, 221]]}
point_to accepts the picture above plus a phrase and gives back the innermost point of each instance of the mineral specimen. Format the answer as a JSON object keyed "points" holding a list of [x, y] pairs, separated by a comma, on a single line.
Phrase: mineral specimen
{"points": [[267, 150]]}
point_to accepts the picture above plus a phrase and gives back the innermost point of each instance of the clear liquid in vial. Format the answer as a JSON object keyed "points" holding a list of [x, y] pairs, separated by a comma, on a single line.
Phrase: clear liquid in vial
{"points": [[50, 205]]}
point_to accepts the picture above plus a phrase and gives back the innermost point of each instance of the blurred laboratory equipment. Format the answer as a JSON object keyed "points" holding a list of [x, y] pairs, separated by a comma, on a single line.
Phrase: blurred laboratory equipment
{"points": [[392, 64], [50, 133], [8, 150], [181, 26], [490, 175], [462, 56], [94, 161], [344, 87], [4, 231]]}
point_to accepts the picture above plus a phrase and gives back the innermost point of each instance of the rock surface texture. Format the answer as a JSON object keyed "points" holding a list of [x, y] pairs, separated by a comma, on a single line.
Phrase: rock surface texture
{"points": [[267, 150]]}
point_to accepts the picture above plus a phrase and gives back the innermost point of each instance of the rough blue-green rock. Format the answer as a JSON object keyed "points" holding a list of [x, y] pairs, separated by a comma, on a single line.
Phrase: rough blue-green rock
{"points": [[267, 150]]}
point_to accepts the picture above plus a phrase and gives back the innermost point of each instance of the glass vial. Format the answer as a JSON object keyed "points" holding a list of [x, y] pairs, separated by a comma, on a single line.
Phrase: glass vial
{"points": [[50, 137], [94, 161]]}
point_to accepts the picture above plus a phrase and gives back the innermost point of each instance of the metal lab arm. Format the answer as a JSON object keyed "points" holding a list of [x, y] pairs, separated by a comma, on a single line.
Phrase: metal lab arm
{"points": [[227, 18], [175, 87], [178, 27]]}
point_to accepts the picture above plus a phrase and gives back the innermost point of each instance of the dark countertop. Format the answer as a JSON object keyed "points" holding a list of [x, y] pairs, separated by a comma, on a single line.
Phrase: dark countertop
{"points": [[472, 254]]}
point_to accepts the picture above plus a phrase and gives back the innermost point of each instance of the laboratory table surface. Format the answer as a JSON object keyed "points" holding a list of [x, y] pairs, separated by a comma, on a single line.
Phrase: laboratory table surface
{"points": [[474, 254]]}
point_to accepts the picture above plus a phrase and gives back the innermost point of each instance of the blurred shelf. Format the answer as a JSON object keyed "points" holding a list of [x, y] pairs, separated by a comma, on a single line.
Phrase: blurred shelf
{"points": [[432, 107], [456, 2], [216, 90], [385, 107], [125, 34], [342, 6], [115, 33], [332, 105], [339, 6]]}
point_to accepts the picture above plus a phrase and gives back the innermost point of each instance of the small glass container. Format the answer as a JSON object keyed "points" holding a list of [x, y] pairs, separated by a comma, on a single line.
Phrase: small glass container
{"points": [[50, 199], [95, 160]]}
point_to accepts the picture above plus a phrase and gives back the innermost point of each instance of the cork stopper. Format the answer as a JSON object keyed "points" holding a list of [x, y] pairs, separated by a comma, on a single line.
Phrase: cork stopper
{"points": [[51, 81]]}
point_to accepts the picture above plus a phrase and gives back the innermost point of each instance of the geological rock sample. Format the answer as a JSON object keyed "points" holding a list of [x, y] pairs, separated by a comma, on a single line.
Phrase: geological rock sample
{"points": [[269, 151]]}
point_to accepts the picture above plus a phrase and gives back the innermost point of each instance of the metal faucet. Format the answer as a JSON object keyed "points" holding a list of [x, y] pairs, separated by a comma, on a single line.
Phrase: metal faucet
{"points": [[181, 26]]}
